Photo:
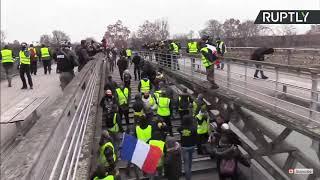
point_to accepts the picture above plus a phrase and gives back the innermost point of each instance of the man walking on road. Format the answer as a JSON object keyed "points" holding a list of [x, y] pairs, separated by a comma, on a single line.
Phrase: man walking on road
{"points": [[66, 61], [45, 55], [122, 65], [24, 55], [258, 55], [6, 57], [136, 60]]}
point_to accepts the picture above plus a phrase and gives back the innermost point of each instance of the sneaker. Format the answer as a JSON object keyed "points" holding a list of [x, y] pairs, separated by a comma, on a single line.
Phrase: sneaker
{"points": [[24, 87], [255, 77], [264, 77]]}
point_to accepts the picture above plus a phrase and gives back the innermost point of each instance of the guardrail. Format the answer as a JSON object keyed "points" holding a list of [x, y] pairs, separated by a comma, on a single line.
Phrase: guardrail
{"points": [[291, 90], [52, 148]]}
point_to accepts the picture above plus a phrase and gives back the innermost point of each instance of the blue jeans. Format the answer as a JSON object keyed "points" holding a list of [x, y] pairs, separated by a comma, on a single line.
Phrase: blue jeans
{"points": [[187, 159]]}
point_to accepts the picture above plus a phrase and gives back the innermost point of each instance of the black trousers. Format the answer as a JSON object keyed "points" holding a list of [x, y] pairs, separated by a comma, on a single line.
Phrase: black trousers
{"points": [[46, 66], [125, 112], [183, 113], [25, 69], [259, 68], [121, 74], [137, 73], [33, 67]]}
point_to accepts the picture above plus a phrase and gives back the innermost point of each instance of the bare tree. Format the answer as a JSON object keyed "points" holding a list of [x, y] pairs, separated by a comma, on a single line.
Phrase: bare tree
{"points": [[148, 32], [286, 30], [230, 27], [180, 36], [117, 35], [213, 28], [314, 29], [162, 27], [59, 36], [45, 39]]}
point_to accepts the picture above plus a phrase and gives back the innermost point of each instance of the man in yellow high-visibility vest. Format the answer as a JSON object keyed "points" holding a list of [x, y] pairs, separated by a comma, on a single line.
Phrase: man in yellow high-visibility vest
{"points": [[46, 57], [6, 57], [24, 56]]}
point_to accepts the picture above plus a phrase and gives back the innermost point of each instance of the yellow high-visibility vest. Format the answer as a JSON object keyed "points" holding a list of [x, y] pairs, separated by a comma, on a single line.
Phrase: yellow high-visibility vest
{"points": [[23, 58], [175, 48], [145, 86], [35, 51], [45, 52], [109, 177], [163, 106], [129, 52], [122, 95], [204, 127], [144, 134], [206, 63], [103, 159], [115, 127], [193, 47], [6, 56]]}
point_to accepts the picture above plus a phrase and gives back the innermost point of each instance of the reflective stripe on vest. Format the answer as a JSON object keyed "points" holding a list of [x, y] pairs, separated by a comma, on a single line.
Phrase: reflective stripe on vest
{"points": [[163, 106], [193, 48], [145, 86], [129, 52], [123, 96], [175, 48], [23, 58], [109, 177], [45, 52], [6, 56], [103, 159], [144, 134], [115, 127], [206, 63], [35, 51], [202, 128]]}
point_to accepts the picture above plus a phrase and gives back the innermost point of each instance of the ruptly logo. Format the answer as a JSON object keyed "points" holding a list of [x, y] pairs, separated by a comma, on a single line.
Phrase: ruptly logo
{"points": [[288, 17]]}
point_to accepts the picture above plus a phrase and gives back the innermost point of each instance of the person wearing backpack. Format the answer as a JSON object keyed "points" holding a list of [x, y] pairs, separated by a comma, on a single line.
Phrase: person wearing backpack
{"points": [[228, 155], [184, 102]]}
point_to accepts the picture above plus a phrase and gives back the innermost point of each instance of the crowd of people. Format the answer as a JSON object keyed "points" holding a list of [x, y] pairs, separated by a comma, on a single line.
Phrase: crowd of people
{"points": [[29, 57], [154, 108]]}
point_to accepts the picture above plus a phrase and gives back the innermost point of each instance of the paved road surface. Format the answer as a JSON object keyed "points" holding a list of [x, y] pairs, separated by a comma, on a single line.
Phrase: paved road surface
{"points": [[44, 85]]}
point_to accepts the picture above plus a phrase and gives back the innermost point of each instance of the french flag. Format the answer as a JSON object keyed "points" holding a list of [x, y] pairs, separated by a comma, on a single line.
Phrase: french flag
{"points": [[145, 156]]}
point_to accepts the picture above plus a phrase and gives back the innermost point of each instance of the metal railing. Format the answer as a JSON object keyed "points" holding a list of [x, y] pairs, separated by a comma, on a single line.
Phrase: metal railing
{"points": [[66, 163], [291, 90]]}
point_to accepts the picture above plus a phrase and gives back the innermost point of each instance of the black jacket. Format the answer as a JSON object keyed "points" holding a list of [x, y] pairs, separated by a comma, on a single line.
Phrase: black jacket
{"points": [[136, 60], [259, 53], [122, 64], [66, 60], [188, 136]]}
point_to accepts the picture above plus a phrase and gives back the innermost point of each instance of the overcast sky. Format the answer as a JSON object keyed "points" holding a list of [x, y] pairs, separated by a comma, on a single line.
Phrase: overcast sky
{"points": [[27, 20]]}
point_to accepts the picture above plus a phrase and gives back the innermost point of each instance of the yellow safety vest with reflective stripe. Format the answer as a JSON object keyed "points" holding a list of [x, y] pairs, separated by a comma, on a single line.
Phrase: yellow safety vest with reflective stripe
{"points": [[204, 127], [23, 58], [220, 46], [195, 106], [122, 95], [129, 52], [159, 144], [206, 63], [163, 106], [6, 56], [103, 159], [157, 95], [109, 177], [35, 51], [145, 86], [175, 48], [45, 52], [193, 47], [144, 134], [115, 127]]}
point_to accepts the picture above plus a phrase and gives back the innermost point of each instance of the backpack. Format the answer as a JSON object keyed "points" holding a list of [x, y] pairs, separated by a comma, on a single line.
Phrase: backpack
{"points": [[184, 102], [228, 167]]}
